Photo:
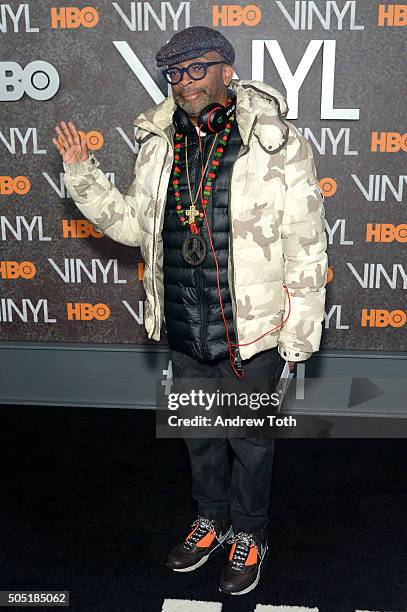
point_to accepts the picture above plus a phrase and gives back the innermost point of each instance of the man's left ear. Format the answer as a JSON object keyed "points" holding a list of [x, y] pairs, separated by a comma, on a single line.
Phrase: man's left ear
{"points": [[227, 74]]}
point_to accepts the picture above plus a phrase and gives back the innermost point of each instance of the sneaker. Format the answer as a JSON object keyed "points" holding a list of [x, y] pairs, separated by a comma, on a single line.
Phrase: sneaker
{"points": [[241, 572], [207, 535]]}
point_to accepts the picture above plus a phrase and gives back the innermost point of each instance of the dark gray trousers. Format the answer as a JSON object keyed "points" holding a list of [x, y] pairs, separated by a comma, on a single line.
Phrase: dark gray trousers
{"points": [[239, 489]]}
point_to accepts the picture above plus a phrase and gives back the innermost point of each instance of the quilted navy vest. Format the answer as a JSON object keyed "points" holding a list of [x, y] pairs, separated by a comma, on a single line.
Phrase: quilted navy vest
{"points": [[193, 316]]}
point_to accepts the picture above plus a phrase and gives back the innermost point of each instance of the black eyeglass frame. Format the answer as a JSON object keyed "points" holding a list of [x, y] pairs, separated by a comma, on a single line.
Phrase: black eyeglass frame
{"points": [[185, 69]]}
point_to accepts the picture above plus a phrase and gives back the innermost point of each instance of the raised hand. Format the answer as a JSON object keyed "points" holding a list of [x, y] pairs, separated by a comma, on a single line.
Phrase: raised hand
{"points": [[73, 148]]}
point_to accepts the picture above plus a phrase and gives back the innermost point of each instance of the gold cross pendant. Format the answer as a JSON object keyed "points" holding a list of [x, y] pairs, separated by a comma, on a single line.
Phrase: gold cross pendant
{"points": [[192, 212]]}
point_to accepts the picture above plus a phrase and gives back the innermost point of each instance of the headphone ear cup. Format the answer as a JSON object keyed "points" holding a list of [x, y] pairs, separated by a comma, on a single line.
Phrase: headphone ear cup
{"points": [[181, 121], [213, 117]]}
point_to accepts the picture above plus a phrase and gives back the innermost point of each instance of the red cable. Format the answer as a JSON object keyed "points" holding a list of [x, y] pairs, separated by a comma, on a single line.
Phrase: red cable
{"points": [[241, 376]]}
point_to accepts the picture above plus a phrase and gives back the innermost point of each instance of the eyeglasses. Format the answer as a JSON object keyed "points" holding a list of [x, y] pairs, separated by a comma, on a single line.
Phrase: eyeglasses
{"points": [[195, 71]]}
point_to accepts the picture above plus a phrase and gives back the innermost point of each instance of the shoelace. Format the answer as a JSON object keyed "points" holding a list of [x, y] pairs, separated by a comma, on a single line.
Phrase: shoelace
{"points": [[205, 525], [243, 542]]}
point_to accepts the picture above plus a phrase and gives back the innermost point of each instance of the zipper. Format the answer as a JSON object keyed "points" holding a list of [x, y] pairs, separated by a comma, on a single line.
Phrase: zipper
{"points": [[154, 240], [197, 166], [198, 270], [203, 304], [232, 288], [198, 169]]}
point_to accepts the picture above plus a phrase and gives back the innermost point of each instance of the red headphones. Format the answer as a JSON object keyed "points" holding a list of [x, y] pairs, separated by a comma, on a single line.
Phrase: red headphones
{"points": [[212, 119]]}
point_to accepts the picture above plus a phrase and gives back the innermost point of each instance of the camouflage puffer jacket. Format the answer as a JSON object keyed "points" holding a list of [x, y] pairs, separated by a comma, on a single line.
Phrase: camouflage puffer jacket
{"points": [[277, 218]]}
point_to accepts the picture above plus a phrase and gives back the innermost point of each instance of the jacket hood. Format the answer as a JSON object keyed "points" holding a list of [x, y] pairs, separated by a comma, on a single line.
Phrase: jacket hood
{"points": [[257, 105]]}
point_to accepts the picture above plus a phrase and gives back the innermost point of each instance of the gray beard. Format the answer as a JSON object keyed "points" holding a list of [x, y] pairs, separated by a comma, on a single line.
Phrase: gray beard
{"points": [[191, 108]]}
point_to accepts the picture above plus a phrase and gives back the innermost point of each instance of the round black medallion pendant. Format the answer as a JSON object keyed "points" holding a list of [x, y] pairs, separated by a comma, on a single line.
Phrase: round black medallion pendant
{"points": [[194, 249]]}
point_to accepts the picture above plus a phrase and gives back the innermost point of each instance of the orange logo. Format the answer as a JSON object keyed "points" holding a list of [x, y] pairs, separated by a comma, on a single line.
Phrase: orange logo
{"points": [[392, 15], [79, 228], [87, 312], [386, 232], [235, 15], [69, 17], [140, 270], [19, 185], [330, 275], [388, 142], [94, 139], [328, 186], [383, 318], [15, 269]]}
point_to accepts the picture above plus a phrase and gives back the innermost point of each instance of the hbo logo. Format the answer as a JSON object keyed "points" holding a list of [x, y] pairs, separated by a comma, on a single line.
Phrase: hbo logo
{"points": [[39, 80]]}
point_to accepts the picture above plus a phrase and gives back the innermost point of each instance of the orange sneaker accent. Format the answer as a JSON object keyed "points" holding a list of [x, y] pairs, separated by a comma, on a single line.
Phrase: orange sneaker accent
{"points": [[191, 532], [232, 550], [206, 540], [252, 556]]}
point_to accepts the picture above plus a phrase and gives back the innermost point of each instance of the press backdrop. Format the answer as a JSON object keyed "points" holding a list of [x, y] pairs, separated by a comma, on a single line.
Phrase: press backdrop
{"points": [[340, 65]]}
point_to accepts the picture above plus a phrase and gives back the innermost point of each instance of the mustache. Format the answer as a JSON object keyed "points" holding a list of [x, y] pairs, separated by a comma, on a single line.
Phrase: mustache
{"points": [[188, 92]]}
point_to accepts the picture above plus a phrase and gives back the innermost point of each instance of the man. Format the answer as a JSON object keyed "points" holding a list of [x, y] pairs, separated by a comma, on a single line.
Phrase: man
{"points": [[260, 208]]}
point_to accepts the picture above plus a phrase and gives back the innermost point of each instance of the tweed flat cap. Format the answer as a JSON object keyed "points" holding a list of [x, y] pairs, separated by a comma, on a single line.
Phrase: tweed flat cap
{"points": [[194, 42]]}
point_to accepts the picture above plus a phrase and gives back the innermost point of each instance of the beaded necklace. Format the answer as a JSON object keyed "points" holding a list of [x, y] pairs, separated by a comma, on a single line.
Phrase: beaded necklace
{"points": [[187, 216]]}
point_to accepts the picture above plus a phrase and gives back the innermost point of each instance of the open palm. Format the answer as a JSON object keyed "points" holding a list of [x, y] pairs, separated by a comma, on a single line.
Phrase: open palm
{"points": [[70, 144]]}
